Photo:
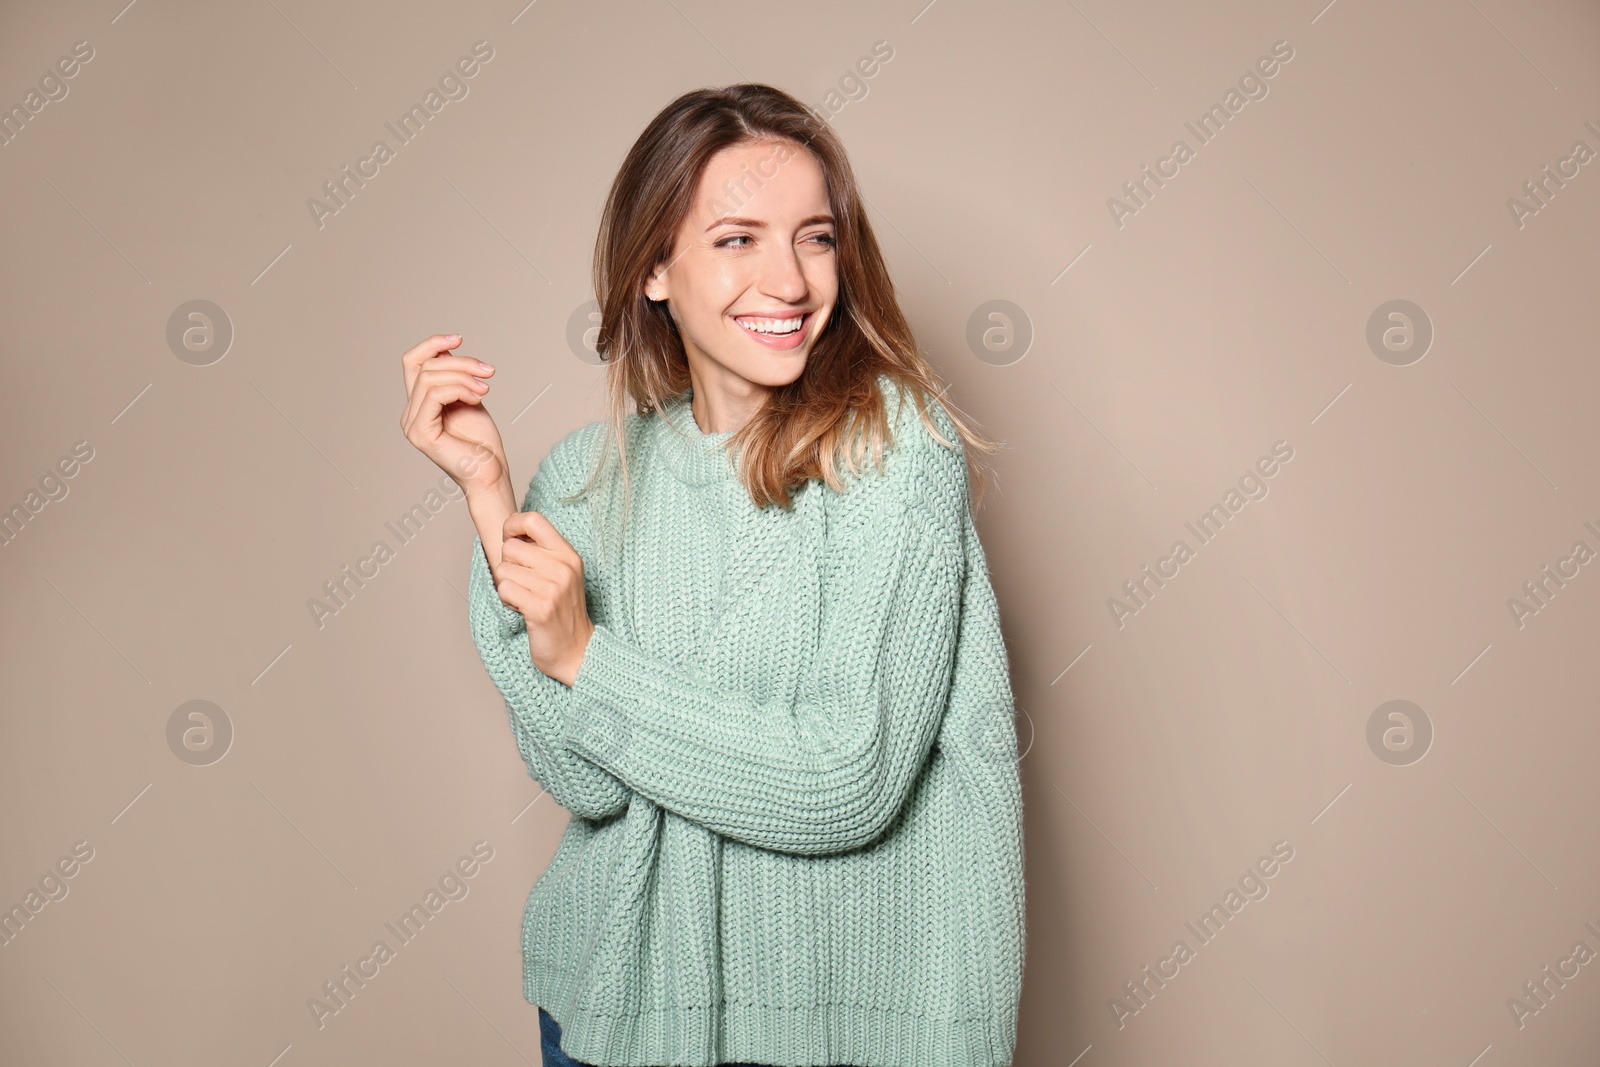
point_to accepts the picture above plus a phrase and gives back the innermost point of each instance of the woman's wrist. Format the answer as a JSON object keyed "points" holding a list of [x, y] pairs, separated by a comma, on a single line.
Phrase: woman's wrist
{"points": [[490, 506], [497, 494]]}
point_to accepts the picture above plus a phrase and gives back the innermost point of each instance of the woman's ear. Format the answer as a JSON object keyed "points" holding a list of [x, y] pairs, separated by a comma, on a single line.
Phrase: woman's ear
{"points": [[655, 287]]}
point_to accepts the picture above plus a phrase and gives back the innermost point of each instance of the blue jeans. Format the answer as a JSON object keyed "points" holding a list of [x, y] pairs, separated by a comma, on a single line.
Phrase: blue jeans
{"points": [[550, 1046]]}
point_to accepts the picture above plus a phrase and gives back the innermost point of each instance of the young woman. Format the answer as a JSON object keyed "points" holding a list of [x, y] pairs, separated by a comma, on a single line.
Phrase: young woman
{"points": [[746, 634]]}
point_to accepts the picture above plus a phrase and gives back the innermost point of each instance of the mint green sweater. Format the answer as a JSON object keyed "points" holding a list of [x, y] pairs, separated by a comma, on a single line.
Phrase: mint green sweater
{"points": [[790, 761]]}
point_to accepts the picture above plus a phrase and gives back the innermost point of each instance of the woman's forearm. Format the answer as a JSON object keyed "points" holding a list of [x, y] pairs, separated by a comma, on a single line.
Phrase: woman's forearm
{"points": [[489, 509]]}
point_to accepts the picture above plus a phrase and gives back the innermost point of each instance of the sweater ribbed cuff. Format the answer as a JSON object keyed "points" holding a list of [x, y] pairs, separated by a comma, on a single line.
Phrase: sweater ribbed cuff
{"points": [[610, 678], [505, 620]]}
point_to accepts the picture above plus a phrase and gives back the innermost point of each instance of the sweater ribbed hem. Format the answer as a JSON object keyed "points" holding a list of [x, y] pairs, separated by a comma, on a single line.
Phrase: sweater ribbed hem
{"points": [[695, 1036]]}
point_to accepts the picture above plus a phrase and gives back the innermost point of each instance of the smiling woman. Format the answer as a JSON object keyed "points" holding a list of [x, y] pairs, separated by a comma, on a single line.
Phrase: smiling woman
{"points": [[763, 673], [769, 272]]}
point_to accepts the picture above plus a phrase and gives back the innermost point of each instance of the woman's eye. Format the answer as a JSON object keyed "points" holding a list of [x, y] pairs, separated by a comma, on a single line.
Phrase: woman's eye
{"points": [[826, 239]]}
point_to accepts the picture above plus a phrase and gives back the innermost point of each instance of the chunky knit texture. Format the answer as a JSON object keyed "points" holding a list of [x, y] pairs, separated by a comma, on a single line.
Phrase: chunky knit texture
{"points": [[790, 760]]}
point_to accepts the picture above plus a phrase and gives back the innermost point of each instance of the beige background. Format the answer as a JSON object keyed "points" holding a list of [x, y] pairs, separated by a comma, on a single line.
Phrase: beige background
{"points": [[1163, 757]]}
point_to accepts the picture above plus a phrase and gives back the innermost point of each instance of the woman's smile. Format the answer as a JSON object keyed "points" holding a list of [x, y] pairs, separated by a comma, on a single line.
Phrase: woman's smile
{"points": [[784, 330]]}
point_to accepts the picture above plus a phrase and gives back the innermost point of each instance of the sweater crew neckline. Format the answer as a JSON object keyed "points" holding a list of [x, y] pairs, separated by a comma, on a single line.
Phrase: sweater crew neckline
{"points": [[694, 456]]}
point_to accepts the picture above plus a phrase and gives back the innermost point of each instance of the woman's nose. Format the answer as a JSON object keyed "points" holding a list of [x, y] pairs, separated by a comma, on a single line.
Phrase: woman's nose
{"points": [[783, 278]]}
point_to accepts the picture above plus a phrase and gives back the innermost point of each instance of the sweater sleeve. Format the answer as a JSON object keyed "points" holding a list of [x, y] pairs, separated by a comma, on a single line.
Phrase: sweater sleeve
{"points": [[538, 704], [827, 772]]}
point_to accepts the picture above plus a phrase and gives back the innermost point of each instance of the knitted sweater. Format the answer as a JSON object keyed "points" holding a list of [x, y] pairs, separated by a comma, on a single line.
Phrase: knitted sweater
{"points": [[790, 761]]}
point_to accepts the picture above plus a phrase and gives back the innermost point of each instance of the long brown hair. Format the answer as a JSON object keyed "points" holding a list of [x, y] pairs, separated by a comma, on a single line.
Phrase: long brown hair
{"points": [[834, 411]]}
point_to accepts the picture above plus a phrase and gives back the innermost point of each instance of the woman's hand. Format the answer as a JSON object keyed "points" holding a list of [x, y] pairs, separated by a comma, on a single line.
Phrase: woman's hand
{"points": [[445, 417], [541, 576]]}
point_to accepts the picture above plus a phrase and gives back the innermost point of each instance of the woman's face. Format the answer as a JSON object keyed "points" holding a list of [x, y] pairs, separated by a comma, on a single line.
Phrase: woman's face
{"points": [[752, 278]]}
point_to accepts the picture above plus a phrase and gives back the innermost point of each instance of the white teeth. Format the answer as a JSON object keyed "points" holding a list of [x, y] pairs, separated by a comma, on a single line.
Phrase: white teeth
{"points": [[774, 326]]}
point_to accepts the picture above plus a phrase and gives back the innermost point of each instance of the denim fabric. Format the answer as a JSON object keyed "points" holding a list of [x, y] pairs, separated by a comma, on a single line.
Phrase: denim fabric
{"points": [[550, 1046], [550, 1043]]}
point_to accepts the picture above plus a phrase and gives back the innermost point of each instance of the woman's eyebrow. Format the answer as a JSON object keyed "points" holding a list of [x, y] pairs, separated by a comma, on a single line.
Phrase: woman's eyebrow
{"points": [[736, 220]]}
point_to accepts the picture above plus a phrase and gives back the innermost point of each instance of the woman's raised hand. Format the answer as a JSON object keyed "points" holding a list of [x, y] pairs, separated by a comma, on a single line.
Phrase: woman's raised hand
{"points": [[445, 418], [535, 570]]}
